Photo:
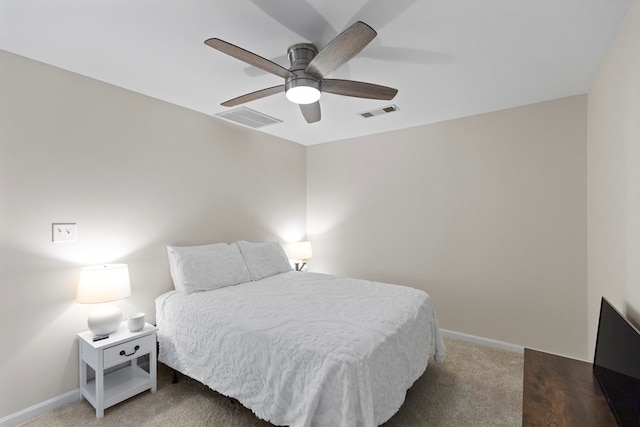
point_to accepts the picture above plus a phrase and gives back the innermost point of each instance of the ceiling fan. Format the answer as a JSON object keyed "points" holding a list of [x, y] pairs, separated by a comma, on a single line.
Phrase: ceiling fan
{"points": [[305, 79]]}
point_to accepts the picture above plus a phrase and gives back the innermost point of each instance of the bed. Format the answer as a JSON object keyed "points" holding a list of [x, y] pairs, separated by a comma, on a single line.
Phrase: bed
{"points": [[298, 349]]}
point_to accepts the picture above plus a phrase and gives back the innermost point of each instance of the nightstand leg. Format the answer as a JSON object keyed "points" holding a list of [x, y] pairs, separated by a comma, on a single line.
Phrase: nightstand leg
{"points": [[83, 374], [100, 387], [153, 371]]}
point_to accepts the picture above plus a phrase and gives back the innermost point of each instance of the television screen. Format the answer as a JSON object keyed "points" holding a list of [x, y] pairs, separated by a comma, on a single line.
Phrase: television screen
{"points": [[616, 364]]}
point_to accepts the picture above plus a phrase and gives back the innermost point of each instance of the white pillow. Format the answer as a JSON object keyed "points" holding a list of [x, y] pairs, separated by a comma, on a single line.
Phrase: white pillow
{"points": [[264, 259], [206, 267]]}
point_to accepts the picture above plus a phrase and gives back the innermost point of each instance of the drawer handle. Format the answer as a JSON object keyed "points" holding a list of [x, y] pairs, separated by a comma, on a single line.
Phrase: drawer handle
{"points": [[124, 353]]}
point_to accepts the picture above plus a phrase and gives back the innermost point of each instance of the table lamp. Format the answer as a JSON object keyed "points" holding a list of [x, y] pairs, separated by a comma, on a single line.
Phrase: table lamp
{"points": [[300, 251], [100, 284]]}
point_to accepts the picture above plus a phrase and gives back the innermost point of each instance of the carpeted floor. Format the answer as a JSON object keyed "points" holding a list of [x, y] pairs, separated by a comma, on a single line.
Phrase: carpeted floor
{"points": [[476, 386]]}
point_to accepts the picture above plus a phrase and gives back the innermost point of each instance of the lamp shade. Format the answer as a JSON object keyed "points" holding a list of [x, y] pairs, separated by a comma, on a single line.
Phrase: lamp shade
{"points": [[103, 283], [299, 250]]}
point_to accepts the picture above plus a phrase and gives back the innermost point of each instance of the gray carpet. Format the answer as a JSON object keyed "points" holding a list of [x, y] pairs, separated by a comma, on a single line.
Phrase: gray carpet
{"points": [[475, 386]]}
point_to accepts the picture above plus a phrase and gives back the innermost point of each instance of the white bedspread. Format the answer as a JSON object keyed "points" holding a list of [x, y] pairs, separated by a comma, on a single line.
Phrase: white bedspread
{"points": [[303, 349]]}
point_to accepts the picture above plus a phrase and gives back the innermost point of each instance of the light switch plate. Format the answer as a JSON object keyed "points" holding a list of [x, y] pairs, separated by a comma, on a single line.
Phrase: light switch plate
{"points": [[64, 232]]}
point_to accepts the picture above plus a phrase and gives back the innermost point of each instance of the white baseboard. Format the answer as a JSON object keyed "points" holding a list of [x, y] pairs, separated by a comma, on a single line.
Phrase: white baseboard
{"points": [[40, 408], [483, 341]]}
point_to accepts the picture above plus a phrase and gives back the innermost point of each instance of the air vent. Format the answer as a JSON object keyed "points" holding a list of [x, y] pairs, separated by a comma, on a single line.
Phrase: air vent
{"points": [[248, 117], [379, 112]]}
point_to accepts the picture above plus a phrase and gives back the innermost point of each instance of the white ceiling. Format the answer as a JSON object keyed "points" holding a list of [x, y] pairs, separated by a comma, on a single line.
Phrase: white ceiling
{"points": [[447, 58]]}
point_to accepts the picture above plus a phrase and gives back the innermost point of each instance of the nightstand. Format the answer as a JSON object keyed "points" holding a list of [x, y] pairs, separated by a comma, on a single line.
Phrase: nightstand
{"points": [[114, 362]]}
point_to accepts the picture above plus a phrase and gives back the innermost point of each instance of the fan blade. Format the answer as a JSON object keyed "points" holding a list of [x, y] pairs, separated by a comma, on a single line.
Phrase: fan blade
{"points": [[345, 46], [253, 96], [249, 57], [311, 112], [358, 89], [252, 71]]}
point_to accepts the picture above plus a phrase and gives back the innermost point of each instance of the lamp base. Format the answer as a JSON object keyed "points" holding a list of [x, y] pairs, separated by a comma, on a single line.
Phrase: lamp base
{"points": [[104, 320]]}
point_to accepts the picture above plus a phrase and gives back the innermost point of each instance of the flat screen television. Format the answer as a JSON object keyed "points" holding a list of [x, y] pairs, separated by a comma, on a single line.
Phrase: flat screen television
{"points": [[616, 364]]}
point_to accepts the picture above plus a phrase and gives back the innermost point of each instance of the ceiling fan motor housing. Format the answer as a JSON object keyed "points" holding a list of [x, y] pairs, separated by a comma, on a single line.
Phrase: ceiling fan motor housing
{"points": [[300, 55]]}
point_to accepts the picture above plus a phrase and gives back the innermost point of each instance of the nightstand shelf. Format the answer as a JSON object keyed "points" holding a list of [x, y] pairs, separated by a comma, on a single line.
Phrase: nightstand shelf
{"points": [[119, 385], [114, 362]]}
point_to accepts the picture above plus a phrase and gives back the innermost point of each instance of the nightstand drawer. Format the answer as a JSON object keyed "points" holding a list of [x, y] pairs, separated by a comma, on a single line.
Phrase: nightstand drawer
{"points": [[128, 350]]}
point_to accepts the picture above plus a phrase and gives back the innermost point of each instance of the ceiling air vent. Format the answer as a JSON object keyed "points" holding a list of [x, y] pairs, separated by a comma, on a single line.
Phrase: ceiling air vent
{"points": [[379, 112], [248, 117]]}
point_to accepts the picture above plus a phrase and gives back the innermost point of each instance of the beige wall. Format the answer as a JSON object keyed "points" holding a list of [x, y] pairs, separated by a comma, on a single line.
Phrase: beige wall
{"points": [[486, 213], [614, 177], [135, 174]]}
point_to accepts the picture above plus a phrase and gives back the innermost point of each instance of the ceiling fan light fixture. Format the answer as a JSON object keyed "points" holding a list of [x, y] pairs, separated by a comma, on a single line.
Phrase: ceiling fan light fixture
{"points": [[303, 91]]}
